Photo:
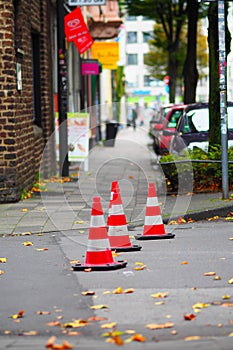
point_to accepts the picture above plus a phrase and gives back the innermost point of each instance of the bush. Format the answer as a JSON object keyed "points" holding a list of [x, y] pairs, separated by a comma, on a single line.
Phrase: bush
{"points": [[191, 166]]}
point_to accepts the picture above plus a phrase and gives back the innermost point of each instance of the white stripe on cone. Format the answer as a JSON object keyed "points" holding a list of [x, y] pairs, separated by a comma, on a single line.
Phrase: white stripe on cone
{"points": [[98, 244], [152, 201], [97, 221], [117, 209], [153, 220], [121, 230]]}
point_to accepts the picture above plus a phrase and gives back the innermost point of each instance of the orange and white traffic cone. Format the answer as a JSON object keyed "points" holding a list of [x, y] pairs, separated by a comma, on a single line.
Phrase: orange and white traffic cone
{"points": [[117, 226], [153, 225], [98, 254]]}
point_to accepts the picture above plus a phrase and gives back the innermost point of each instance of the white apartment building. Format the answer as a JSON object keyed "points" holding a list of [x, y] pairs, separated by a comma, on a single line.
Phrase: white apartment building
{"points": [[141, 88]]}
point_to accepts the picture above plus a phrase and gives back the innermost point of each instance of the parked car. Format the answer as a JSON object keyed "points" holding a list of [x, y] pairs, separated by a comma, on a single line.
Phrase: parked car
{"points": [[158, 116], [168, 121], [193, 128]]}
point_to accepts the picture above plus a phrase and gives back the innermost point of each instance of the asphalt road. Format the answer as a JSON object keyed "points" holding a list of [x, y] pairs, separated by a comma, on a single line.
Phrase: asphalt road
{"points": [[39, 280]]}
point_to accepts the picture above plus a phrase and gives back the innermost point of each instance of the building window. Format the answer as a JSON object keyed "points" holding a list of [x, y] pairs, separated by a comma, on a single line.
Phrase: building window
{"points": [[132, 59], [147, 36], [132, 37], [150, 81]]}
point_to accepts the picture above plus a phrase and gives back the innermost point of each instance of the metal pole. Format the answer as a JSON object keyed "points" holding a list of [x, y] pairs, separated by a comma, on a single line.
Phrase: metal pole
{"points": [[223, 97], [62, 91]]}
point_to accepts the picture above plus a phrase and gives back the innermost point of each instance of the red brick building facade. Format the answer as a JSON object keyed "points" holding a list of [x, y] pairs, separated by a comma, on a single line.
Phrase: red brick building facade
{"points": [[26, 92]]}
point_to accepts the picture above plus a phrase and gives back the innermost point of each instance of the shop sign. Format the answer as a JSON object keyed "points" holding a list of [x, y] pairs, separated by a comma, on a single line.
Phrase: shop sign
{"points": [[107, 53], [90, 67], [86, 2]]}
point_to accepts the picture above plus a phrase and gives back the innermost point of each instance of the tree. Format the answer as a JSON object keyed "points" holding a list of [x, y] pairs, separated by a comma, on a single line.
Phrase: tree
{"points": [[171, 15], [190, 71]]}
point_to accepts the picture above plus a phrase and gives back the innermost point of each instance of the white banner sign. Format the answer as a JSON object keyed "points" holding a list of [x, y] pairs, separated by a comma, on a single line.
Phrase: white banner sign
{"points": [[86, 2]]}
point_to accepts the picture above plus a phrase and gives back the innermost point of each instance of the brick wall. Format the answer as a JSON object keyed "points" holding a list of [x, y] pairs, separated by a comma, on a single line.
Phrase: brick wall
{"points": [[20, 147]]}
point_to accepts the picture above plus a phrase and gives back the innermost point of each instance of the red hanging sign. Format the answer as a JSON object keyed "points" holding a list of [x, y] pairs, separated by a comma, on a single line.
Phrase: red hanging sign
{"points": [[76, 30]]}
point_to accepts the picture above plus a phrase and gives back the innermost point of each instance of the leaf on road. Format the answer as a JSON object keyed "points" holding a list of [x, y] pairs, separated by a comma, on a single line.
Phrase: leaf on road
{"points": [[1, 272], [43, 312], [200, 306], [96, 318], [79, 222], [217, 278], [227, 296], [88, 292], [65, 344], [108, 325], [98, 307], [106, 292], [213, 218], [76, 324], [119, 290], [138, 268], [3, 260], [54, 324], [27, 244], [192, 337], [28, 233], [227, 305], [24, 210], [230, 238], [231, 334], [212, 273], [18, 315], [30, 333], [230, 281], [41, 249], [159, 326], [160, 295], [159, 303], [184, 263], [74, 262], [189, 317], [128, 291], [136, 337]]}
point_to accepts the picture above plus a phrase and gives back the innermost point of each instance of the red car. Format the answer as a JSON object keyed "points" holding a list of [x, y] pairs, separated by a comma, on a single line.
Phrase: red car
{"points": [[161, 142]]}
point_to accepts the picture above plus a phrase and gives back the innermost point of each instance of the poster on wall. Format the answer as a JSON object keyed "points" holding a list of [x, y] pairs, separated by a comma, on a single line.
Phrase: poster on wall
{"points": [[78, 136]]}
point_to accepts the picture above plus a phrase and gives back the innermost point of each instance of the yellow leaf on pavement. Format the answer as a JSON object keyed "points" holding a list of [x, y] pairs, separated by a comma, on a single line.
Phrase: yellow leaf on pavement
{"points": [[212, 273], [119, 290], [160, 295], [108, 325], [200, 306], [27, 244], [3, 260], [193, 337], [128, 291], [230, 281], [98, 307], [160, 326], [2, 272]]}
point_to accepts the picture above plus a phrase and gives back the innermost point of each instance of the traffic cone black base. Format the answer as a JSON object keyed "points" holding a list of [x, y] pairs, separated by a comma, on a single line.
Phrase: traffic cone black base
{"points": [[150, 237], [132, 248], [114, 266]]}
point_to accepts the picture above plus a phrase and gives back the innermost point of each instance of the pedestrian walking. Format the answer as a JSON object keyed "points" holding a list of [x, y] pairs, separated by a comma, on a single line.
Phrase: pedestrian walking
{"points": [[134, 117]]}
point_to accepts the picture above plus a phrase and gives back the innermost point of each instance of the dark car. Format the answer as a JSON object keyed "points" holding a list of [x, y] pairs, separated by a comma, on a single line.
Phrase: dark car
{"points": [[193, 128], [168, 121]]}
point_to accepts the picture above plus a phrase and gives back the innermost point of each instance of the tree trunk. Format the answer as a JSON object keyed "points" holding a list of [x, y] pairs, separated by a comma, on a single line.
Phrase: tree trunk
{"points": [[214, 96], [190, 71]]}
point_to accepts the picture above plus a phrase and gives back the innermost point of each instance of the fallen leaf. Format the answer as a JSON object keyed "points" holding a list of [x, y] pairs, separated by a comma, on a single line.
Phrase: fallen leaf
{"points": [[231, 334], [130, 331], [217, 278], [227, 296], [98, 307], [138, 337], [43, 313], [128, 291], [181, 220], [30, 333], [106, 292], [138, 268], [160, 326], [2, 272], [159, 303], [200, 306], [74, 261], [231, 238], [119, 290], [230, 281], [27, 244], [65, 345], [96, 318], [193, 337], [88, 292], [108, 325], [24, 210], [189, 317], [117, 340], [18, 315], [50, 342], [209, 273], [76, 323], [3, 260], [53, 324], [184, 262], [227, 304], [160, 295], [28, 233], [41, 249], [213, 218], [79, 222]]}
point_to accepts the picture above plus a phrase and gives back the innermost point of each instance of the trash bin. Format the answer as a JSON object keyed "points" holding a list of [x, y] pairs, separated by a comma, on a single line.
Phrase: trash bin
{"points": [[111, 131]]}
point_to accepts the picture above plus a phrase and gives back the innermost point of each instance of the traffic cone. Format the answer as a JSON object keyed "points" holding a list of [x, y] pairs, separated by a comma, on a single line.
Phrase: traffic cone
{"points": [[153, 226], [117, 226], [98, 254]]}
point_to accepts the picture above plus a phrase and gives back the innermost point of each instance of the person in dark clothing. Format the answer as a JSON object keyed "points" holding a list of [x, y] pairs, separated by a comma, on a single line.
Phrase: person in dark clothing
{"points": [[134, 118]]}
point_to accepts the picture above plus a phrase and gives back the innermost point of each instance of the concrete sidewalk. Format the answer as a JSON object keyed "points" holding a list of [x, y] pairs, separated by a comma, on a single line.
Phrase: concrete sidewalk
{"points": [[67, 205]]}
